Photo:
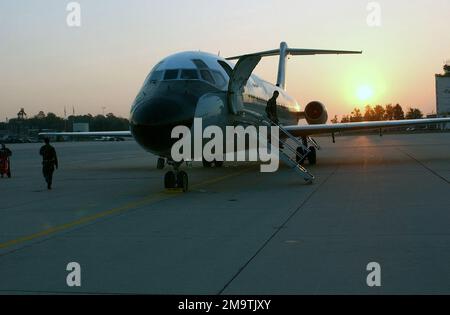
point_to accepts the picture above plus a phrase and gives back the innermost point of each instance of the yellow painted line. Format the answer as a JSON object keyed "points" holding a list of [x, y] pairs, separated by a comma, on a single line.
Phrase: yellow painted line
{"points": [[132, 205], [222, 178]]}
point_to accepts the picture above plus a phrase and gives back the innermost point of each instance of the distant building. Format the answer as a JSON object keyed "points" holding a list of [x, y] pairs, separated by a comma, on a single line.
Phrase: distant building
{"points": [[80, 127], [443, 92]]}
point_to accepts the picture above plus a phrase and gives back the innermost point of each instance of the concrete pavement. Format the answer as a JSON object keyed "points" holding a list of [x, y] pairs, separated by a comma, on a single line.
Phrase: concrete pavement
{"points": [[238, 231]]}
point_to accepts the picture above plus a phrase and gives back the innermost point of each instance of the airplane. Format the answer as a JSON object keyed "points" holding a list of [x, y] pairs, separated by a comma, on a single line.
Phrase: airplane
{"points": [[193, 84]]}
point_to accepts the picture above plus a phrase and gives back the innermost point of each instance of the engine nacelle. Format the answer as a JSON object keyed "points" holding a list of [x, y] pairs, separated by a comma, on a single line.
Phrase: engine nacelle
{"points": [[316, 113]]}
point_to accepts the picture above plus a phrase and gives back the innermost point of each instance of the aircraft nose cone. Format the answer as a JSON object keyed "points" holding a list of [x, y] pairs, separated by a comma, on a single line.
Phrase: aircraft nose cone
{"points": [[158, 111], [152, 122]]}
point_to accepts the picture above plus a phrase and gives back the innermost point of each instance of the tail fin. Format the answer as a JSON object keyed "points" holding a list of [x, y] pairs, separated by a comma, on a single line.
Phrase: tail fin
{"points": [[284, 51], [281, 78]]}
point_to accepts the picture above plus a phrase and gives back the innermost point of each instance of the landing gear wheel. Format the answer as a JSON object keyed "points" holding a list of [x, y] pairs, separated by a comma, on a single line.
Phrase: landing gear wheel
{"points": [[161, 163], [207, 164], [312, 156], [182, 181], [9, 174], [169, 180], [300, 152]]}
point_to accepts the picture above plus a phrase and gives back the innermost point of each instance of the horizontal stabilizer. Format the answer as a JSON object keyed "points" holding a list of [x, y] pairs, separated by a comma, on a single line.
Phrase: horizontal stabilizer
{"points": [[284, 52], [298, 52]]}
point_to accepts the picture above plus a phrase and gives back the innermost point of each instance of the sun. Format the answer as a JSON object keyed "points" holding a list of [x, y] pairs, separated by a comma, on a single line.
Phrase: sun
{"points": [[365, 93]]}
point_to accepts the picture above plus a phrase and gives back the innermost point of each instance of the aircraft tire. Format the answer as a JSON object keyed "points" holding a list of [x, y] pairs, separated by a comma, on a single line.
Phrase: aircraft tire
{"points": [[312, 156], [169, 180]]}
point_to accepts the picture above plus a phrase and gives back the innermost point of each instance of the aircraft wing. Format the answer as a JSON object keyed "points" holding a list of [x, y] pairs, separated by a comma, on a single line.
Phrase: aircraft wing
{"points": [[89, 134], [308, 130]]}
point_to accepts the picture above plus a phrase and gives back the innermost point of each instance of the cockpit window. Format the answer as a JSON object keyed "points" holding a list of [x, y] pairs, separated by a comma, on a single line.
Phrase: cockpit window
{"points": [[171, 75], [200, 64], [220, 80], [156, 76], [206, 75], [189, 74]]}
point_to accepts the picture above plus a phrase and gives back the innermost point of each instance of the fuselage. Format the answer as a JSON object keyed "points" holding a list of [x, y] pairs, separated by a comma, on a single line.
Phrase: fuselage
{"points": [[192, 85]]}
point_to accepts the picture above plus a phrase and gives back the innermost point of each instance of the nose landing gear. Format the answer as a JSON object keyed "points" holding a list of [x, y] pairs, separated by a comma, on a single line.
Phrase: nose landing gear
{"points": [[176, 179]]}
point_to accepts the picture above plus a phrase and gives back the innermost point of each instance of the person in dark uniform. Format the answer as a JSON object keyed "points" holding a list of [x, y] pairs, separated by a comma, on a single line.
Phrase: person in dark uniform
{"points": [[5, 165], [271, 111], [271, 108], [49, 162]]}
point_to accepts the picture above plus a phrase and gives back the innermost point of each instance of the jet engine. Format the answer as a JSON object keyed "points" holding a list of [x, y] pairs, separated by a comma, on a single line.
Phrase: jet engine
{"points": [[316, 113]]}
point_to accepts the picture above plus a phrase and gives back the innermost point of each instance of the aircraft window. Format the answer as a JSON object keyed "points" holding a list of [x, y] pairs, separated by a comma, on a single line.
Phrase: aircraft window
{"points": [[189, 74], [171, 75], [220, 80], [156, 76], [253, 82], [158, 65], [206, 75], [200, 64]]}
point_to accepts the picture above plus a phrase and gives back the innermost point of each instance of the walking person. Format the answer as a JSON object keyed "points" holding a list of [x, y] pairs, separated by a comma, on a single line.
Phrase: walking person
{"points": [[5, 162], [49, 162]]}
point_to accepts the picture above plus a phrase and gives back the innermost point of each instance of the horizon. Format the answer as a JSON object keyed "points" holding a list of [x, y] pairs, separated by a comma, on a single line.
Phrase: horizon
{"points": [[100, 66], [68, 116]]}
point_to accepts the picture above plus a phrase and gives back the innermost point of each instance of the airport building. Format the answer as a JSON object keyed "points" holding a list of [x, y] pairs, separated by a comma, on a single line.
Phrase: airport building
{"points": [[443, 92], [80, 127]]}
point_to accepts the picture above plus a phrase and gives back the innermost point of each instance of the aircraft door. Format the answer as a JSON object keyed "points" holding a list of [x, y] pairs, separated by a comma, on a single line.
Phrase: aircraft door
{"points": [[238, 79]]}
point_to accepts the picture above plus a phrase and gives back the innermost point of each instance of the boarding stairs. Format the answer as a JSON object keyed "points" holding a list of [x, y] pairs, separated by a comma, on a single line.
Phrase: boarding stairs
{"points": [[293, 152]]}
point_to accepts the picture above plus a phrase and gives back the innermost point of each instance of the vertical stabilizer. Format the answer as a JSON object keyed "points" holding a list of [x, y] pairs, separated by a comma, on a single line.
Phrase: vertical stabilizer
{"points": [[281, 80]]}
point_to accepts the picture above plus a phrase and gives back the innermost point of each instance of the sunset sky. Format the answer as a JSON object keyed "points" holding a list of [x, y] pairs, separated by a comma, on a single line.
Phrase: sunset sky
{"points": [[46, 65]]}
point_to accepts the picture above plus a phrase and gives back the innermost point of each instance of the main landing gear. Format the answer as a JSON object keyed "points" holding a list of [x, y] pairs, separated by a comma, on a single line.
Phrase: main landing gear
{"points": [[176, 179], [311, 156]]}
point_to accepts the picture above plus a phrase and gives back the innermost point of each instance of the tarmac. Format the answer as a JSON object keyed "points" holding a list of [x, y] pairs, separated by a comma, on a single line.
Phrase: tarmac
{"points": [[238, 231]]}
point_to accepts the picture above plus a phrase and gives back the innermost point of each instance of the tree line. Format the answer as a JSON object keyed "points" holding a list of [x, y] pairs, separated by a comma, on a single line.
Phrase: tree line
{"points": [[50, 121], [380, 113]]}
